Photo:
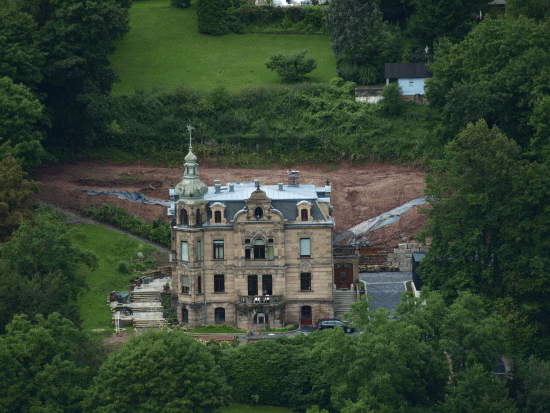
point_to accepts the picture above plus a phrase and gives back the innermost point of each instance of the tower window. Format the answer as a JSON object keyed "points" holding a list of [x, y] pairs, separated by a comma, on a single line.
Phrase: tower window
{"points": [[199, 221], [184, 217]]}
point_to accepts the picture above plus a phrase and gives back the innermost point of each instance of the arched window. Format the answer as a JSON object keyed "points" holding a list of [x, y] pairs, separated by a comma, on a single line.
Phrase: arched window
{"points": [[199, 221], [303, 213], [259, 249], [184, 218], [261, 318], [184, 315], [259, 212], [219, 315]]}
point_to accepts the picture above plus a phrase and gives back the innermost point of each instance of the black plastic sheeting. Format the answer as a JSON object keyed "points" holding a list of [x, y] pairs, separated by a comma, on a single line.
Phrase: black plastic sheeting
{"points": [[129, 196]]}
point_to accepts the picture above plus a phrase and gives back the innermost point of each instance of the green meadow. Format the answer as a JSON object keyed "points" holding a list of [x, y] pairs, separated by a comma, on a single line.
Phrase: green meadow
{"points": [[111, 248], [164, 49]]}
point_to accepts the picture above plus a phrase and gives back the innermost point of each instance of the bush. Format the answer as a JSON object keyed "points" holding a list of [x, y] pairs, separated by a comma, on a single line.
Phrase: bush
{"points": [[291, 66], [392, 104], [124, 267]]}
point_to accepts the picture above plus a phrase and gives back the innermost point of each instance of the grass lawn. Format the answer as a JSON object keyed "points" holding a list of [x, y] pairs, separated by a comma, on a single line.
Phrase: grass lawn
{"points": [[245, 408], [164, 49], [110, 247]]}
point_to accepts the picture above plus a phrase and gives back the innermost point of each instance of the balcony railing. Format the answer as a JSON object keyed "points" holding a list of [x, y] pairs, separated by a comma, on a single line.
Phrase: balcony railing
{"points": [[260, 299]]}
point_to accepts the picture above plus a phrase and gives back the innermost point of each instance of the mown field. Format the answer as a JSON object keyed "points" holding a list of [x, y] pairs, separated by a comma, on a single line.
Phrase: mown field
{"points": [[164, 49]]}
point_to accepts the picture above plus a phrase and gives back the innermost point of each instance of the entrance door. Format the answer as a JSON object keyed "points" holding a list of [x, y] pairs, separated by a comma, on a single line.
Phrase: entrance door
{"points": [[343, 276], [305, 315]]}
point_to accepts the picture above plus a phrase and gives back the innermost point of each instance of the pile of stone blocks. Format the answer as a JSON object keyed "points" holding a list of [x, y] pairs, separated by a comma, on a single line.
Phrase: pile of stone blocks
{"points": [[401, 257]]}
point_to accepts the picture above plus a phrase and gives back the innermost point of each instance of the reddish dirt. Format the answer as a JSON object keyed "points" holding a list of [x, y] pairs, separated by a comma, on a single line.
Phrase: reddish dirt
{"points": [[358, 193]]}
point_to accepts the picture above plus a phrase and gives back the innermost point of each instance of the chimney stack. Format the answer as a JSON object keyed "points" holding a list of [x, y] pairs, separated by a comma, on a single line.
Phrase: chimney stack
{"points": [[217, 186], [294, 178]]}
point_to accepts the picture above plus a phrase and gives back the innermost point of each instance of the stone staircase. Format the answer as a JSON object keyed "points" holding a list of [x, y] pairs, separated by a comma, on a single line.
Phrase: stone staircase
{"points": [[342, 300], [149, 313]]}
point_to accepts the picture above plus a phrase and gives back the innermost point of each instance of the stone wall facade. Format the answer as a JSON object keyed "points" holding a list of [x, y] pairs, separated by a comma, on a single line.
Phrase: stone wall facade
{"points": [[401, 257]]}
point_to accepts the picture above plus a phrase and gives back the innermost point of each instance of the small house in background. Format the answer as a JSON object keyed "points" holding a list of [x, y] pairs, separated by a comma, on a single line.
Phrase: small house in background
{"points": [[410, 76]]}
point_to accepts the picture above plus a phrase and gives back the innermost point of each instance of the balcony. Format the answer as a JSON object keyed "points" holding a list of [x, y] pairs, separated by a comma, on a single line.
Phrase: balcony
{"points": [[261, 300]]}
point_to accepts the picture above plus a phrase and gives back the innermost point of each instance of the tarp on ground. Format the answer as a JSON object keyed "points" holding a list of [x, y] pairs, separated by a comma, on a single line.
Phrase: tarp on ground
{"points": [[129, 196], [124, 297], [380, 221]]}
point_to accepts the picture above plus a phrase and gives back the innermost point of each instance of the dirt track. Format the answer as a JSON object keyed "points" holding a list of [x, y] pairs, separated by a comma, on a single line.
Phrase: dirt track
{"points": [[358, 193]]}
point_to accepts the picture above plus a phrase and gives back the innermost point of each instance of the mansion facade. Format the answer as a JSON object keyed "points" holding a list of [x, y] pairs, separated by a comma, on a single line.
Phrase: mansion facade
{"points": [[248, 255]]}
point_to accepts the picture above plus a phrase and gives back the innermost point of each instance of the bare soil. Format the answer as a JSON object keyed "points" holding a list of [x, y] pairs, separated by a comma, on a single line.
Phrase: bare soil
{"points": [[358, 193]]}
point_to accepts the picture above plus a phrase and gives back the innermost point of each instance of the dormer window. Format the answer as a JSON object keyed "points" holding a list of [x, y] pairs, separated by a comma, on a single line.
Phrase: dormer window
{"points": [[259, 212], [217, 217], [304, 214]]}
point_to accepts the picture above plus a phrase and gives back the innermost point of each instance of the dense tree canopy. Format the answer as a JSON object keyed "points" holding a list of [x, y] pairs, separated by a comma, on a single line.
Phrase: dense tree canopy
{"points": [[534, 9], [15, 191], [489, 225], [497, 72], [165, 371], [45, 365], [434, 19], [361, 41]]}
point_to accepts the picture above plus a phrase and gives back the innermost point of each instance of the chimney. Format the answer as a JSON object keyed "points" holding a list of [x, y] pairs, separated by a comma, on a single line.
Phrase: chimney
{"points": [[280, 187], [231, 187], [217, 186], [294, 178]]}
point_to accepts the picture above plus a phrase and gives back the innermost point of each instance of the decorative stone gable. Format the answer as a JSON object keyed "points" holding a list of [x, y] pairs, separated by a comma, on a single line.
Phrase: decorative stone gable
{"points": [[258, 206]]}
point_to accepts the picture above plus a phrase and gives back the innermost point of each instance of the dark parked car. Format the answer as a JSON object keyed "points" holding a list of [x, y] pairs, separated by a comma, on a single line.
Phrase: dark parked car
{"points": [[331, 323]]}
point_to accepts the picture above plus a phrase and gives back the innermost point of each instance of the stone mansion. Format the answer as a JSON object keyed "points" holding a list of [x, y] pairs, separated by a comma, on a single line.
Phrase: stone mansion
{"points": [[247, 254]]}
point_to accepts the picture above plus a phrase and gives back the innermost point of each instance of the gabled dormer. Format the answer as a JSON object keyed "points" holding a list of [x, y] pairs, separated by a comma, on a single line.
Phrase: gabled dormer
{"points": [[304, 212]]}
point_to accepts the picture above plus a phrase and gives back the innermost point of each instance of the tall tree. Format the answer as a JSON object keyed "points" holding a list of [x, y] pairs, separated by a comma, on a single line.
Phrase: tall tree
{"points": [[434, 19], [488, 223], [45, 365], [165, 371], [361, 41], [21, 121], [15, 191], [534, 9], [497, 72]]}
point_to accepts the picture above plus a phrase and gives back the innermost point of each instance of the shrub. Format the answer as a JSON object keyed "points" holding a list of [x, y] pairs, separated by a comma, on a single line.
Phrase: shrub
{"points": [[291, 66], [124, 267], [392, 104]]}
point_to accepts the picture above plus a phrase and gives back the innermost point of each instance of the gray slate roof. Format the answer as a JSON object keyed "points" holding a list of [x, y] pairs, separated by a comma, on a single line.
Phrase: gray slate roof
{"points": [[406, 71]]}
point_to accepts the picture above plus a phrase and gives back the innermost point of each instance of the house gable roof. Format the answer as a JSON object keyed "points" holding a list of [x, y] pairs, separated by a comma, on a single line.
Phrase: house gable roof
{"points": [[406, 71]]}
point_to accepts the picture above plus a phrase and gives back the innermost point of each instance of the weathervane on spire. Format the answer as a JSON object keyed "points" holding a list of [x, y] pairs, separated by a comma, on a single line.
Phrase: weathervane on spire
{"points": [[190, 128]]}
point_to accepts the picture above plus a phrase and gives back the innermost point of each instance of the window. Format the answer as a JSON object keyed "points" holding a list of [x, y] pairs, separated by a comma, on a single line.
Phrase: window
{"points": [[184, 315], [252, 285], [247, 253], [259, 212], [219, 315], [267, 284], [259, 249], [199, 221], [185, 284], [199, 250], [303, 214], [247, 241], [199, 285], [217, 217], [218, 250], [184, 218], [411, 83], [184, 251], [305, 281], [305, 247], [270, 241], [270, 252], [219, 283]]}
